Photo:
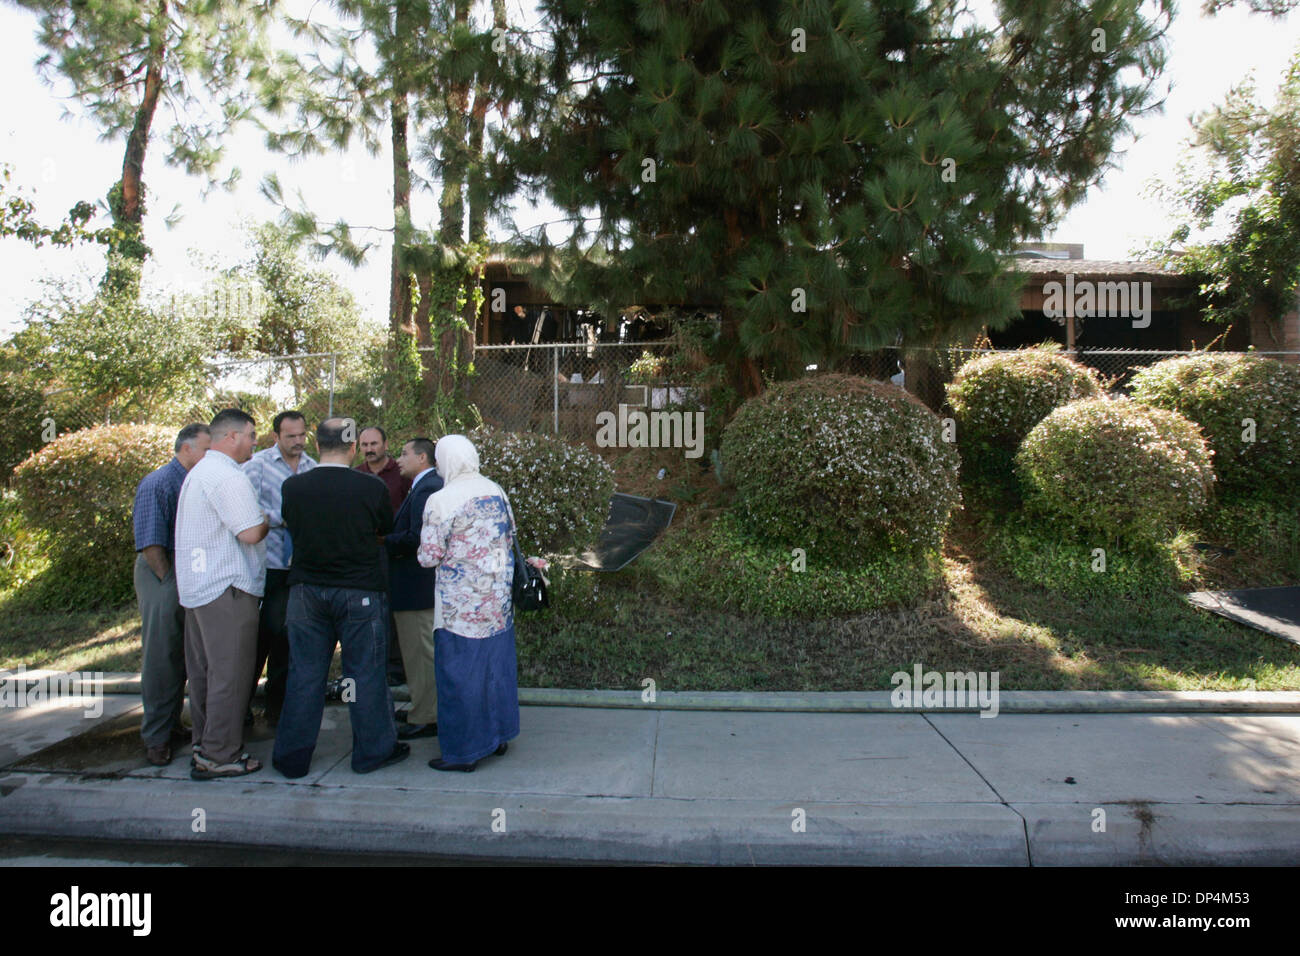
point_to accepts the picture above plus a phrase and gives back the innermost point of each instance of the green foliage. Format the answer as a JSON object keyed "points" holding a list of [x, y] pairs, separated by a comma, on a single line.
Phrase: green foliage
{"points": [[997, 399], [648, 369], [79, 490], [398, 377], [725, 567], [1116, 468], [20, 544], [1264, 529], [23, 409], [204, 55], [841, 188], [840, 466], [560, 493], [121, 356], [1224, 393], [1240, 180], [128, 242], [18, 218], [1060, 557]]}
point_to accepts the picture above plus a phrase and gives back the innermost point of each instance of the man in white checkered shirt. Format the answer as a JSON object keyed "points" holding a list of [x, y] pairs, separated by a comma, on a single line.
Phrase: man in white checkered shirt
{"points": [[220, 577]]}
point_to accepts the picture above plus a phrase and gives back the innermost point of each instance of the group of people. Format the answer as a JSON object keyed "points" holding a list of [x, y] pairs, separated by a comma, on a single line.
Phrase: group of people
{"points": [[271, 559]]}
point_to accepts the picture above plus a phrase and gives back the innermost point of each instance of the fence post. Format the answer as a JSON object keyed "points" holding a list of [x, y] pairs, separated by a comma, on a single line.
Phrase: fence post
{"points": [[333, 366], [555, 388]]}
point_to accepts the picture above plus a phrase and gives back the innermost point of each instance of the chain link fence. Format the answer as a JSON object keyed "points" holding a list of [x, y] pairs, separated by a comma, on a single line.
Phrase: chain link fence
{"points": [[561, 389]]}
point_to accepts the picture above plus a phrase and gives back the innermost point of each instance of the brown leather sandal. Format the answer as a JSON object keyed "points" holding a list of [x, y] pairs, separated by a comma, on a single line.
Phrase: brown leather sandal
{"points": [[201, 768]]}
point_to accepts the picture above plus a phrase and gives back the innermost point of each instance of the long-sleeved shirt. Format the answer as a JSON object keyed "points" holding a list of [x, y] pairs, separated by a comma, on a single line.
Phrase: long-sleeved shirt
{"points": [[267, 471], [466, 534]]}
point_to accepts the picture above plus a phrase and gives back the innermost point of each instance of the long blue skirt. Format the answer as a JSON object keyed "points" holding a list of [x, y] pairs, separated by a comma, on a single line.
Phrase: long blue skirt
{"points": [[478, 693]]}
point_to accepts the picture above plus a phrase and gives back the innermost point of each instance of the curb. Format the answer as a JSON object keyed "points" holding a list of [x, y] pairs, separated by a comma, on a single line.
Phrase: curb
{"points": [[369, 820], [867, 702]]}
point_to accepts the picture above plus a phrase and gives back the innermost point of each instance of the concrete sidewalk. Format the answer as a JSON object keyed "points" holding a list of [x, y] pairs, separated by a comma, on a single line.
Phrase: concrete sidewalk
{"points": [[753, 779]]}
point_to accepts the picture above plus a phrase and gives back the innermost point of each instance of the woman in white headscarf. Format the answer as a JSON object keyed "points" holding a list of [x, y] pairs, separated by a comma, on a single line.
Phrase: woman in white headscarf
{"points": [[468, 535]]}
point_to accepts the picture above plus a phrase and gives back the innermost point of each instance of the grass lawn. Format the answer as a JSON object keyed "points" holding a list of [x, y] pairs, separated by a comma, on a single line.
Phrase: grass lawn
{"points": [[614, 630]]}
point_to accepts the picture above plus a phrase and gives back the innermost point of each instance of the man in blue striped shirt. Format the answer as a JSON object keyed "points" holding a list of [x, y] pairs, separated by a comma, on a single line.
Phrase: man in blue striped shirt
{"points": [[267, 470], [162, 619]]}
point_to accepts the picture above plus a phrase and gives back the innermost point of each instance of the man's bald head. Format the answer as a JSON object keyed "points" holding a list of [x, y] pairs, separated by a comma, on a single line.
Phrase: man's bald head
{"points": [[336, 439]]}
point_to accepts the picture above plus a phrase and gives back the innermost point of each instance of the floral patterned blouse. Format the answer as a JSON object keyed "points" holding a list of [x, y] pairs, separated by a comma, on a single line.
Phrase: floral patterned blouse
{"points": [[467, 535]]}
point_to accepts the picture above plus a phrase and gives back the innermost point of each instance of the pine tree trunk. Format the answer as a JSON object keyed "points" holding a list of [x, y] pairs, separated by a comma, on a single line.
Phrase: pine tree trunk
{"points": [[451, 225], [128, 205], [743, 371], [399, 289]]}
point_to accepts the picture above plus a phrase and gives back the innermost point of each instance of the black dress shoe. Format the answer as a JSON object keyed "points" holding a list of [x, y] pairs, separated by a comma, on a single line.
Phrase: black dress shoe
{"points": [[437, 763], [400, 752], [409, 731]]}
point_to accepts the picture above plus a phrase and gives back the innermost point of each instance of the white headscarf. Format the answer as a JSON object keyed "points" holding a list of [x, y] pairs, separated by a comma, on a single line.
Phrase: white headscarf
{"points": [[456, 458]]}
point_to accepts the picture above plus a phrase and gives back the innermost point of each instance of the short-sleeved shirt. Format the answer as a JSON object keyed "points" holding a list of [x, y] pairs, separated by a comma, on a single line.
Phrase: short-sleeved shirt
{"points": [[391, 475], [267, 470], [154, 515], [217, 502]]}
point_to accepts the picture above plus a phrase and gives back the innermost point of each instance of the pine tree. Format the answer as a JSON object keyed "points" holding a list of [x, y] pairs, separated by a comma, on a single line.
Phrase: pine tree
{"points": [[126, 57], [403, 70], [827, 174]]}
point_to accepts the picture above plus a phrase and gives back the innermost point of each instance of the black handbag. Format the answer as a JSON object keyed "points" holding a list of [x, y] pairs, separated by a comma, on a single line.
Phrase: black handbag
{"points": [[529, 586]]}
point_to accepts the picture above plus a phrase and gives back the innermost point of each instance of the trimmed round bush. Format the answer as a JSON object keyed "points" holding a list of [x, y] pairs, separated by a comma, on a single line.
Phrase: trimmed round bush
{"points": [[560, 493], [998, 398], [1117, 467], [79, 490], [837, 464], [1222, 393]]}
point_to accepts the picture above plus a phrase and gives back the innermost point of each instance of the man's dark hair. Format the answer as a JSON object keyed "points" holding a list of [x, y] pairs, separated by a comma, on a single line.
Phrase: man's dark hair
{"points": [[284, 416], [374, 428], [187, 434], [422, 446], [229, 420], [329, 434]]}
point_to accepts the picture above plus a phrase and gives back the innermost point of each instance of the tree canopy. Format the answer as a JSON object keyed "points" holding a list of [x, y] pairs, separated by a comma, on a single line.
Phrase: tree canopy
{"points": [[199, 59], [1238, 189], [828, 174]]}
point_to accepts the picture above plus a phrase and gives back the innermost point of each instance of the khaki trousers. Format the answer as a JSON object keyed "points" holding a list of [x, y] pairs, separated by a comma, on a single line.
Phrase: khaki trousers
{"points": [[220, 648], [415, 637]]}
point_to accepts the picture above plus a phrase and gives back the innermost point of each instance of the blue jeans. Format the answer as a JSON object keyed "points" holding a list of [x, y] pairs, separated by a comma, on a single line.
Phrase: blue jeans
{"points": [[319, 617]]}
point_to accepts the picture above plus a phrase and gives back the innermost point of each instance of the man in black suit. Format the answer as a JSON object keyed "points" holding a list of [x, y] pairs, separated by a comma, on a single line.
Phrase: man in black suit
{"points": [[412, 590]]}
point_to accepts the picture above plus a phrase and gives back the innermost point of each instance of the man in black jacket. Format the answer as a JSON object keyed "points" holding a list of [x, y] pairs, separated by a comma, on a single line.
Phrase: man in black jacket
{"points": [[338, 592], [412, 590]]}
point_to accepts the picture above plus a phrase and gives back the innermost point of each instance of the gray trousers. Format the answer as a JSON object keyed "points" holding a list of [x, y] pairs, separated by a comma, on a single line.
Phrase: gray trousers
{"points": [[220, 648], [162, 663]]}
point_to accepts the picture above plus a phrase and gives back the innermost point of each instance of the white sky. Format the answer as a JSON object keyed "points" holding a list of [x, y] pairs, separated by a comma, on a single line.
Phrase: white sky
{"points": [[62, 161]]}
